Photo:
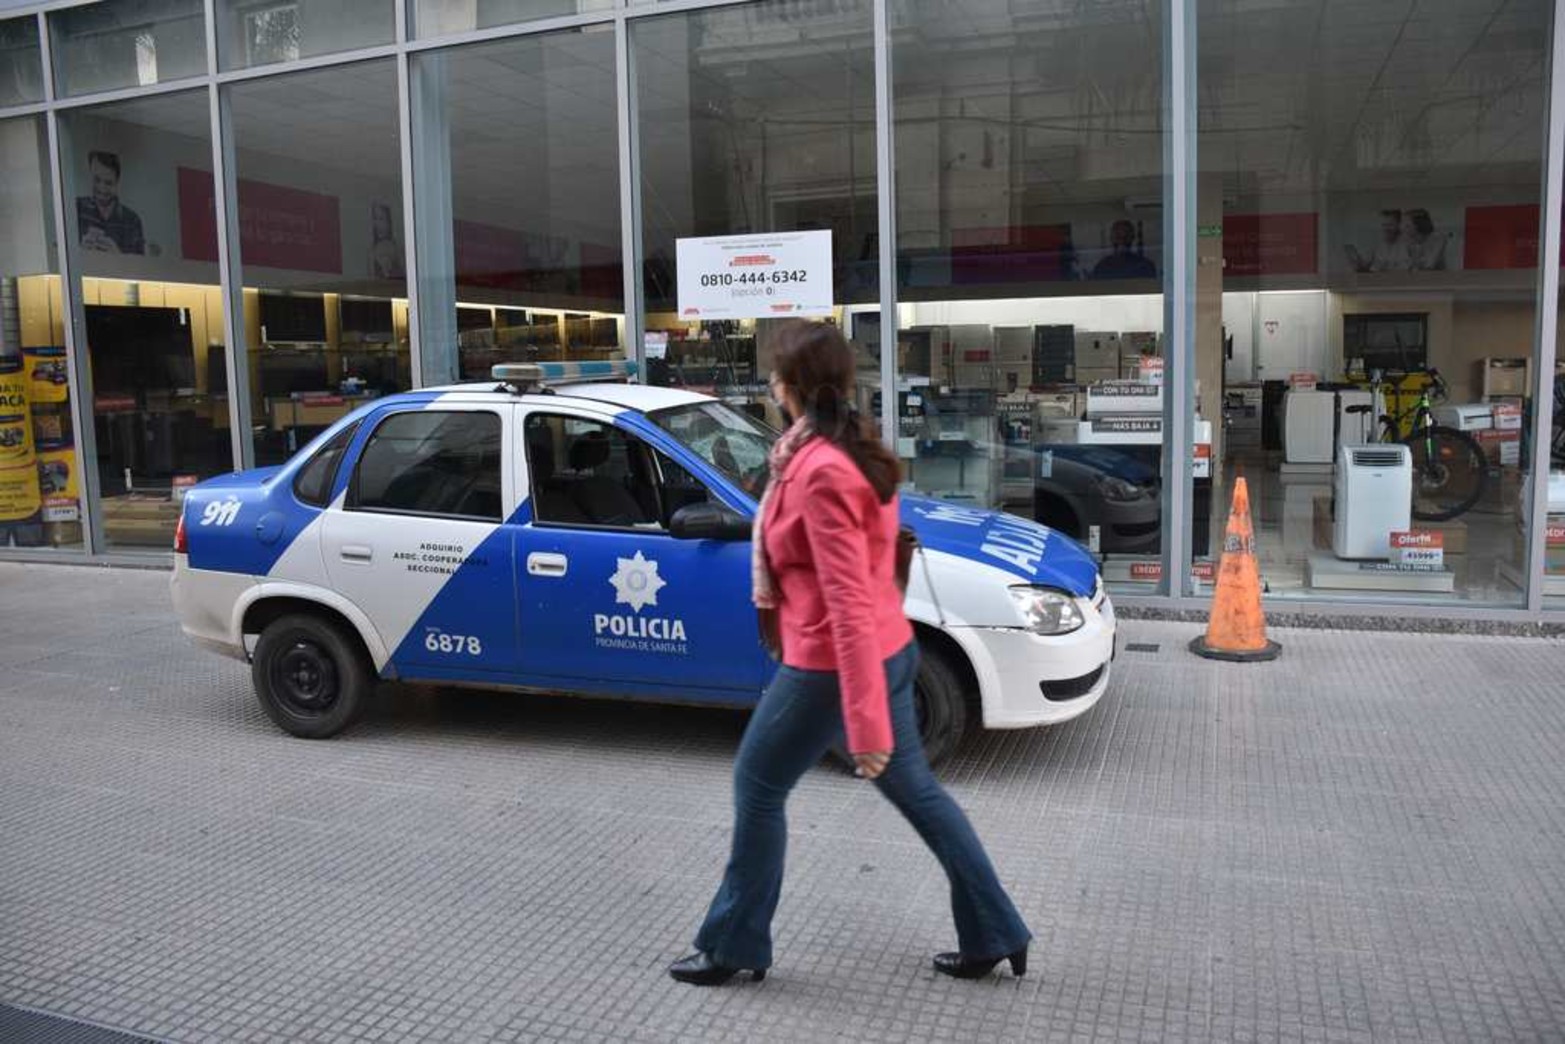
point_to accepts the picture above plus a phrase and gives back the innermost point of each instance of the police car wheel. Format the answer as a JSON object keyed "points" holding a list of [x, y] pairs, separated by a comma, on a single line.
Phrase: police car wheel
{"points": [[312, 678], [940, 704]]}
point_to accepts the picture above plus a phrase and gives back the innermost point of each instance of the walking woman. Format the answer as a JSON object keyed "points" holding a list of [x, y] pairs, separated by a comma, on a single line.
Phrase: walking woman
{"points": [[825, 559]]}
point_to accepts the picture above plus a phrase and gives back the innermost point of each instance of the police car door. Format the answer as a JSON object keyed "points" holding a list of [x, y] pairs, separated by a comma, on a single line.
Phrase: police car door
{"points": [[610, 602], [418, 541]]}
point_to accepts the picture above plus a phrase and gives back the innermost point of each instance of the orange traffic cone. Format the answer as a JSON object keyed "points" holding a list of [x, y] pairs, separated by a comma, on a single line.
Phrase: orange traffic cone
{"points": [[1236, 629]]}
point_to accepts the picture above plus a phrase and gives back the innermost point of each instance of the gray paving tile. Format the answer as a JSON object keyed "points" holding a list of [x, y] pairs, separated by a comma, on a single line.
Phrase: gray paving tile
{"points": [[1358, 842]]}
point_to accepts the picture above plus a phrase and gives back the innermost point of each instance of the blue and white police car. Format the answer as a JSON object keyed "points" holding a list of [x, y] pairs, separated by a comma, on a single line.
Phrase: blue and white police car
{"points": [[563, 531]]}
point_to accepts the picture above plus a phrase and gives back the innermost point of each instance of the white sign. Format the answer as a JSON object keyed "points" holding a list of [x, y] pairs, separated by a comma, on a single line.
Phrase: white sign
{"points": [[771, 276]]}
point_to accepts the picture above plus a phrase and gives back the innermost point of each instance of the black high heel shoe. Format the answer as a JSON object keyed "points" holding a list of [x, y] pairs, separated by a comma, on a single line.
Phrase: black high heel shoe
{"points": [[959, 967], [699, 969]]}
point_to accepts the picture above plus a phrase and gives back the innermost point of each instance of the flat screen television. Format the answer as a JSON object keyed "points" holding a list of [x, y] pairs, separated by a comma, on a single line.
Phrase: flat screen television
{"points": [[135, 349], [285, 371], [474, 319], [366, 320], [293, 318]]}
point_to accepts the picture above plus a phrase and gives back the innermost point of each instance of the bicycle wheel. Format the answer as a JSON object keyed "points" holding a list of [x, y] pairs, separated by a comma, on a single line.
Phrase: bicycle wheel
{"points": [[1449, 472]]}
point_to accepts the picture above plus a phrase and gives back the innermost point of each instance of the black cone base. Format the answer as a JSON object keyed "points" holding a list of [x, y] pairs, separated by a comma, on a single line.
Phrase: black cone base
{"points": [[1200, 648]]}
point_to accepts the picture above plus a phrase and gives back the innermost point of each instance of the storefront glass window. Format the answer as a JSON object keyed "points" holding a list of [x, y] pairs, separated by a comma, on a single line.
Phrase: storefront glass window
{"points": [[1368, 198], [321, 244], [40, 503], [21, 65], [517, 184], [444, 17], [251, 33], [756, 121], [127, 43], [151, 315], [1029, 193]]}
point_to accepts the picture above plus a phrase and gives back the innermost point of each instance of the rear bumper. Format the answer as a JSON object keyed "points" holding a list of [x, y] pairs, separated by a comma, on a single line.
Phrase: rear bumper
{"points": [[204, 601]]}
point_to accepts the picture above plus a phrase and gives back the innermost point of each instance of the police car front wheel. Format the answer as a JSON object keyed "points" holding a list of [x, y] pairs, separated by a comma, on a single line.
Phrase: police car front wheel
{"points": [[940, 704], [312, 677]]}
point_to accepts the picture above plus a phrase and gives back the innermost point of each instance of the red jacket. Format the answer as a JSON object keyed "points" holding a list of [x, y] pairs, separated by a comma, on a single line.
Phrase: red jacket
{"points": [[831, 546]]}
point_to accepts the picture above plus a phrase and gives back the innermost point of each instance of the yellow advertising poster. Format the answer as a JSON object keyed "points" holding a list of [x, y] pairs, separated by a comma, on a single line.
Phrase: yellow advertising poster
{"points": [[47, 379], [57, 476], [16, 425], [19, 498]]}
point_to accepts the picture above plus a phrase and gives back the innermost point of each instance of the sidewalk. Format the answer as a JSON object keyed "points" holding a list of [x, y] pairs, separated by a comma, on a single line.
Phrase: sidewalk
{"points": [[1364, 840]]}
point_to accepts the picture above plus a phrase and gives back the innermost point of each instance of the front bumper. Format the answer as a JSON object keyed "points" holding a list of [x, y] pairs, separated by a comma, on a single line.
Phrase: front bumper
{"points": [[1031, 679]]}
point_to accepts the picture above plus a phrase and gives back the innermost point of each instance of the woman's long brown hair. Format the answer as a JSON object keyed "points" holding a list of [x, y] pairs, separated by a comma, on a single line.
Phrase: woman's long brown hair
{"points": [[815, 360]]}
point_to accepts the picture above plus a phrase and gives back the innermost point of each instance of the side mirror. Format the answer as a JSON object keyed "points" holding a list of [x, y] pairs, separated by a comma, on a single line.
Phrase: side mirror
{"points": [[708, 522]]}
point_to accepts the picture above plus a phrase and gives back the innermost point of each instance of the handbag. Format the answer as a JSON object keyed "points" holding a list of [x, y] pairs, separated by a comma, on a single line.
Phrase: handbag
{"points": [[769, 621]]}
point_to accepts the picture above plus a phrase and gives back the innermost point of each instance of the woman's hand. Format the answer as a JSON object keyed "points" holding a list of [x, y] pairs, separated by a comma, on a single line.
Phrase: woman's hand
{"points": [[872, 764]]}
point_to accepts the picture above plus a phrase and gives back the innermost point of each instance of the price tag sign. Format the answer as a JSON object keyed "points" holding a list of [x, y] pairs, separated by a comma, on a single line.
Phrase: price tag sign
{"points": [[774, 276], [1418, 548]]}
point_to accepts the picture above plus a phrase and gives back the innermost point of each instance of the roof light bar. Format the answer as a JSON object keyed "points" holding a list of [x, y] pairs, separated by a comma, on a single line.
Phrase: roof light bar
{"points": [[526, 376]]}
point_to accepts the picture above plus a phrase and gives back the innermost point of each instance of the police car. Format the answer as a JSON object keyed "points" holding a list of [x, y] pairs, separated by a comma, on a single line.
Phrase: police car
{"points": [[570, 531]]}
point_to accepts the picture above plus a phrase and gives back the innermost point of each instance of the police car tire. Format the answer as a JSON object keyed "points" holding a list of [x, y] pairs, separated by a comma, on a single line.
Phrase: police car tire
{"points": [[340, 654], [942, 705]]}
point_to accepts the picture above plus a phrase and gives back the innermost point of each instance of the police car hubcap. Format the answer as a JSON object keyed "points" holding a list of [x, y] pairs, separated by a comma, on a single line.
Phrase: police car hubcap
{"points": [[309, 681]]}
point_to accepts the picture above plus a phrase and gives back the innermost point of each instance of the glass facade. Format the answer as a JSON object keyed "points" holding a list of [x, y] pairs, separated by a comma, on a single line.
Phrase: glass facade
{"points": [[322, 248], [148, 308], [1075, 296], [21, 62], [739, 140]]}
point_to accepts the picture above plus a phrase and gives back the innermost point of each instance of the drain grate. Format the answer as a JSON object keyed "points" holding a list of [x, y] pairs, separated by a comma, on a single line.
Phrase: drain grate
{"points": [[1142, 647], [36, 1027]]}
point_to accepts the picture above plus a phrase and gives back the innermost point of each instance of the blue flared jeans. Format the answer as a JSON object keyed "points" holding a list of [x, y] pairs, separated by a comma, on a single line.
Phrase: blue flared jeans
{"points": [[799, 718]]}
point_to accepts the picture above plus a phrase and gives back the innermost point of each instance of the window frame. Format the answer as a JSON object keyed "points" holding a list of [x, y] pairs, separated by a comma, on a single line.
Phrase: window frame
{"points": [[351, 499], [347, 433], [655, 465]]}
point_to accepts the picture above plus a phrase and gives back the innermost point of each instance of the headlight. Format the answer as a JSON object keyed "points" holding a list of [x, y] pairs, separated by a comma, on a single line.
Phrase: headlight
{"points": [[1047, 611], [1118, 490]]}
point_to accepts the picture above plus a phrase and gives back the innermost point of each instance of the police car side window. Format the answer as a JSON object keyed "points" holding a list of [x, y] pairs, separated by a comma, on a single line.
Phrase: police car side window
{"points": [[432, 462], [588, 473], [315, 480]]}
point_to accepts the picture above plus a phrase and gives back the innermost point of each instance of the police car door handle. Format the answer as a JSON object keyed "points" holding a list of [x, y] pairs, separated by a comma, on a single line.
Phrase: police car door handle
{"points": [[542, 564], [357, 553]]}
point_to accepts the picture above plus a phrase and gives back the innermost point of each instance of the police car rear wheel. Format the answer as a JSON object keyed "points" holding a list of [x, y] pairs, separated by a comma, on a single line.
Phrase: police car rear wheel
{"points": [[940, 704], [311, 677]]}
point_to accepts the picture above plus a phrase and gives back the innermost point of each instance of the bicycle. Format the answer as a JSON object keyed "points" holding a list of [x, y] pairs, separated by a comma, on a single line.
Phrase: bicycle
{"points": [[1450, 470]]}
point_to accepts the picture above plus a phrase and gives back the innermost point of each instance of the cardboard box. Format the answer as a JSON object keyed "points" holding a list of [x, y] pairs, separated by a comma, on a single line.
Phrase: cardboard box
{"points": [[1014, 344], [1087, 376], [1097, 351], [1503, 448]]}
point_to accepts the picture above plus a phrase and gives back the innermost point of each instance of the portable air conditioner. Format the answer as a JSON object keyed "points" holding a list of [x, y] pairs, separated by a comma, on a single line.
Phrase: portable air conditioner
{"points": [[1374, 489]]}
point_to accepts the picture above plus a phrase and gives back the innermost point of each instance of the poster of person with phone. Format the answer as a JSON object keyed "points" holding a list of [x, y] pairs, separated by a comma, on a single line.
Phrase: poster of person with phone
{"points": [[103, 222]]}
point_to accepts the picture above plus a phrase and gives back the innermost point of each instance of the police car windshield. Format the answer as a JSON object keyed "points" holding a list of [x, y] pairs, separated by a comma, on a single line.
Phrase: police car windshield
{"points": [[731, 441]]}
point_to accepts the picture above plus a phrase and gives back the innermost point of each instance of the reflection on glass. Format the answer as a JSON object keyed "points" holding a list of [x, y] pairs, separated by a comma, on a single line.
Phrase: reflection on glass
{"points": [[21, 62], [444, 17], [321, 248], [1366, 291], [522, 261], [251, 34], [127, 43], [40, 491], [733, 442], [1029, 255], [152, 310], [755, 119]]}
